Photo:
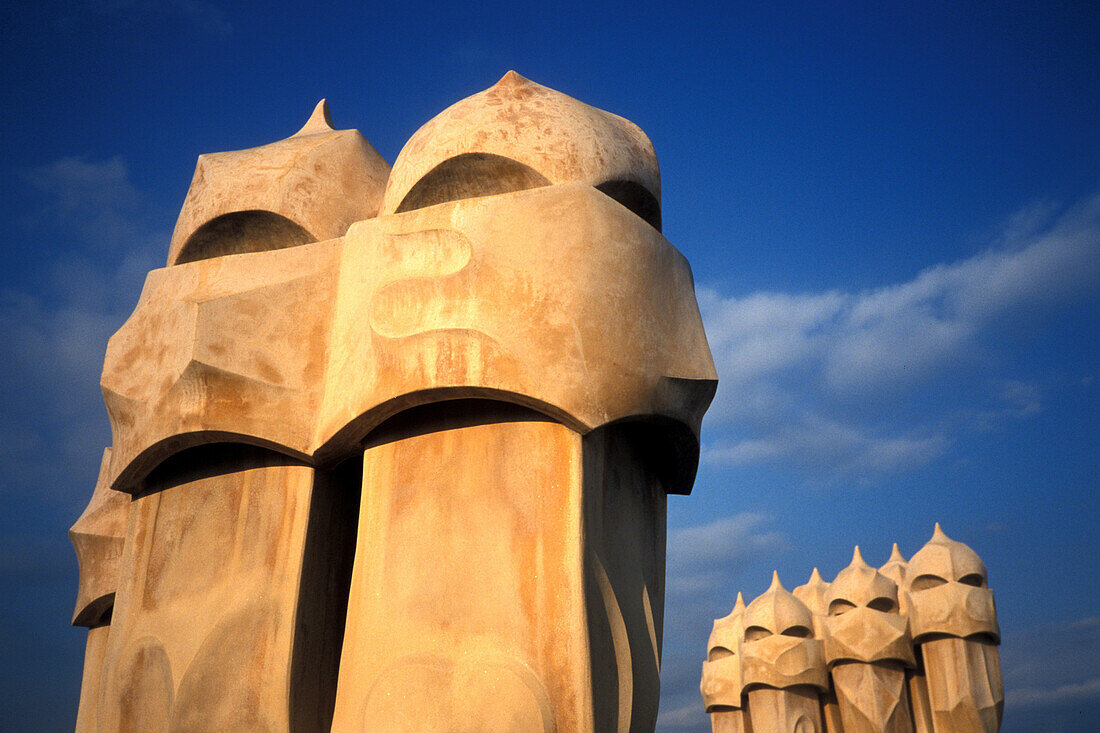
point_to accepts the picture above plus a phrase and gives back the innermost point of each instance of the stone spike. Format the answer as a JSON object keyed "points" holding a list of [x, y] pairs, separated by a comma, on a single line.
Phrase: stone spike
{"points": [[938, 535], [319, 121], [857, 559], [815, 577], [777, 584], [739, 606], [895, 555], [512, 77]]}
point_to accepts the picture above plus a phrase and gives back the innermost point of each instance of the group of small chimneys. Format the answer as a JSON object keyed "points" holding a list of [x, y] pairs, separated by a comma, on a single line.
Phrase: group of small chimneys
{"points": [[908, 648]]}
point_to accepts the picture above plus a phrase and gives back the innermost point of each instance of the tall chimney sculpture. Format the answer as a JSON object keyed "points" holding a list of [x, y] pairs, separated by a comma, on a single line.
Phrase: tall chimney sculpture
{"points": [[391, 447]]}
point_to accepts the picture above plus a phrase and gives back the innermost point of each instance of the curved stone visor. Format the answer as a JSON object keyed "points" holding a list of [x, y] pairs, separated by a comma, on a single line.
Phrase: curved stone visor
{"points": [[555, 298], [558, 138]]}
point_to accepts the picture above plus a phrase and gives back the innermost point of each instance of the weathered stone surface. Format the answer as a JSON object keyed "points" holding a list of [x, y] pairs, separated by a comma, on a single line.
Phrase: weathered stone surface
{"points": [[910, 648], [391, 449]]}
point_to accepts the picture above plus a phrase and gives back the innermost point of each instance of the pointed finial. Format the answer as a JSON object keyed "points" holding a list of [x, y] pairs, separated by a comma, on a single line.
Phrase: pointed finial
{"points": [[895, 555], [739, 606], [938, 535], [815, 577], [776, 583], [511, 78], [319, 121], [857, 558]]}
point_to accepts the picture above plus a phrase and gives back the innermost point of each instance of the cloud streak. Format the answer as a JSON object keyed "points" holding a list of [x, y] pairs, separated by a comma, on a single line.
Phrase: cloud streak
{"points": [[57, 331], [797, 371], [705, 564], [1052, 664], [703, 557]]}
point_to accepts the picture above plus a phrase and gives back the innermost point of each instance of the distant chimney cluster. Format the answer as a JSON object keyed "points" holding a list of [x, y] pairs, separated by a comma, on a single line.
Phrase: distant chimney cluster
{"points": [[908, 648]]}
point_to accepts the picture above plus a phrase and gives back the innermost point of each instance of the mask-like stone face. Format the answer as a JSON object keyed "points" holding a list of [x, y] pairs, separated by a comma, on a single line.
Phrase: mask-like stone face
{"points": [[228, 343], [307, 188], [722, 684], [865, 635], [511, 259], [466, 285], [895, 569], [779, 649], [814, 594], [948, 593], [98, 537], [231, 347], [863, 623], [518, 135]]}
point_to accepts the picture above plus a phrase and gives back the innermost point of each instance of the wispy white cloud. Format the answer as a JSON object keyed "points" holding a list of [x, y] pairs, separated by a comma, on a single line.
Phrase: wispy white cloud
{"points": [[1052, 665], [706, 563], [105, 239], [1027, 697], [797, 369], [700, 558], [823, 446], [689, 717]]}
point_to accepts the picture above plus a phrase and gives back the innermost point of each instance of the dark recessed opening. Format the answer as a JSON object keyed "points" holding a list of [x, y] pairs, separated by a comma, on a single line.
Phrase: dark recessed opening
{"points": [[635, 197], [240, 232], [208, 460], [469, 176]]}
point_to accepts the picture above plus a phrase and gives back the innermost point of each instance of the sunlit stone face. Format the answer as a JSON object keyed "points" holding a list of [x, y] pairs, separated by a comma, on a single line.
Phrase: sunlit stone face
{"points": [[384, 438]]}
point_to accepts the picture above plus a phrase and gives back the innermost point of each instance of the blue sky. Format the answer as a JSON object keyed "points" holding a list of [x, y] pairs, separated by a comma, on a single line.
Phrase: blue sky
{"points": [[892, 212]]}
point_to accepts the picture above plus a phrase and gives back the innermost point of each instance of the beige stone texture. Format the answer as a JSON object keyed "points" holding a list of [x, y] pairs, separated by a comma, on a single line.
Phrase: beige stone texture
{"points": [[733, 720], [919, 704], [868, 648], [895, 569], [814, 593], [872, 698], [507, 298], [98, 537], [948, 593], [518, 134], [94, 651], [391, 449], [863, 622], [508, 615], [965, 691], [783, 666], [228, 349], [307, 188], [790, 710], [721, 685], [953, 619], [520, 298], [909, 648], [220, 622], [205, 611], [779, 649]]}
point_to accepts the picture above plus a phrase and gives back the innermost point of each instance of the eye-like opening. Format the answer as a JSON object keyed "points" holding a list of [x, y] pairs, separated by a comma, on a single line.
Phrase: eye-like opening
{"points": [[882, 603], [635, 197], [839, 607], [973, 579], [240, 232], [468, 176], [798, 631], [924, 582], [718, 652], [756, 633]]}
